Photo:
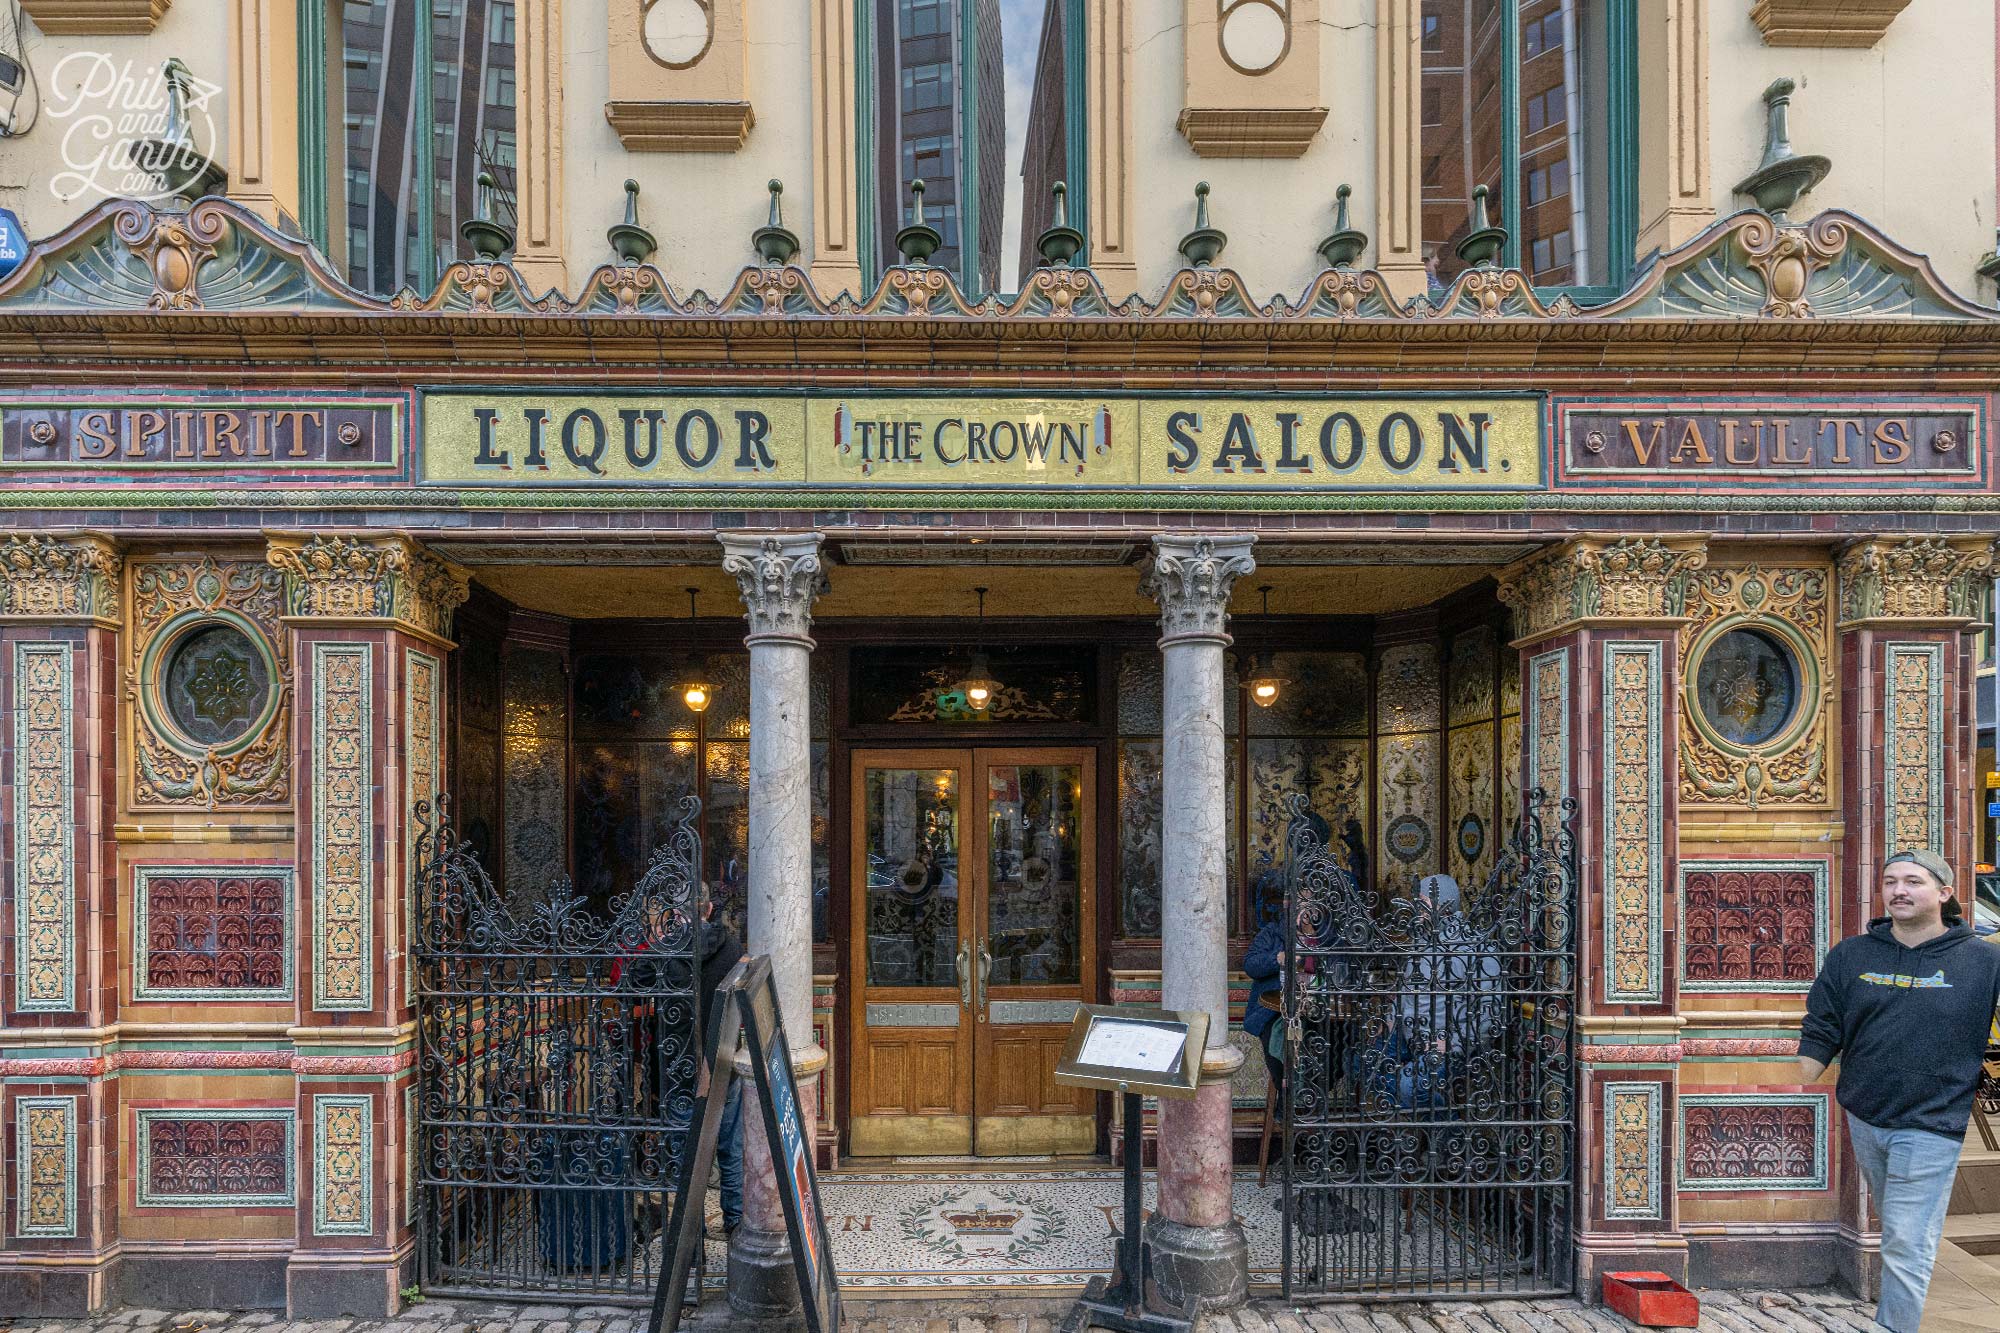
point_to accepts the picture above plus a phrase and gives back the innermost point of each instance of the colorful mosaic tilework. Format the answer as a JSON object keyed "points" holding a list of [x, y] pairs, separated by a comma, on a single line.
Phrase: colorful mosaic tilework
{"points": [[343, 826], [212, 933], [44, 858], [214, 1158], [343, 1153], [1748, 1142], [1752, 925], [1632, 835], [1547, 746], [45, 1166], [1914, 746], [1632, 1150], [423, 779]]}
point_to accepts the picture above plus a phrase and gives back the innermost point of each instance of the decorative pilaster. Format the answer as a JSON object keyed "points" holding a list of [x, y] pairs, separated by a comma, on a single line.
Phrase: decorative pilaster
{"points": [[59, 630], [1399, 135], [1107, 71], [367, 618], [1676, 200], [835, 245], [1198, 1248], [263, 107], [538, 77], [1908, 608], [1599, 620], [778, 575]]}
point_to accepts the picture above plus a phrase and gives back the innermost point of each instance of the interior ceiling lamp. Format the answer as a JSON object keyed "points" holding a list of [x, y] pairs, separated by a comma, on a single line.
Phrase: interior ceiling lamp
{"points": [[1264, 682], [695, 694], [979, 687]]}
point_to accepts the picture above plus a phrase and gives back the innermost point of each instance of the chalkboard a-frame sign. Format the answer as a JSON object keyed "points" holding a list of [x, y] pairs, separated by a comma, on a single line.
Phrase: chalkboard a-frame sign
{"points": [[746, 1004]]}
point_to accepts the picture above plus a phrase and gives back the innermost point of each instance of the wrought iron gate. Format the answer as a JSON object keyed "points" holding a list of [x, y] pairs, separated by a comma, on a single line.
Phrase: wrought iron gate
{"points": [[559, 1054], [1430, 1096]]}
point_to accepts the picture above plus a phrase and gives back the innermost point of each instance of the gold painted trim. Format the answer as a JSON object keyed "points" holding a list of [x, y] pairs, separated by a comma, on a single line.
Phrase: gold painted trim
{"points": [[909, 1135], [1033, 1135]]}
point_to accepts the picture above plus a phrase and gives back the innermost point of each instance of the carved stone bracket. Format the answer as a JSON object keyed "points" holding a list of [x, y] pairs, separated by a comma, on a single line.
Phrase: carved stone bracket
{"points": [[1853, 23], [1925, 580], [96, 18], [1191, 578], [1601, 580], [68, 578], [389, 579], [779, 575]]}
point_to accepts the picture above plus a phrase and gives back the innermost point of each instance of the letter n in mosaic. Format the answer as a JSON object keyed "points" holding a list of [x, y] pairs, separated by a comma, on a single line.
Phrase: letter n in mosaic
{"points": [[45, 1166], [1632, 1151], [343, 1176], [44, 855], [1632, 830], [1913, 766], [343, 826]]}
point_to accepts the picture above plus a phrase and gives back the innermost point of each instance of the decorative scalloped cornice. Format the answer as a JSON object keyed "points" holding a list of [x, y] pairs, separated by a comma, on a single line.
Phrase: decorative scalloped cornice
{"points": [[1597, 579], [126, 256]]}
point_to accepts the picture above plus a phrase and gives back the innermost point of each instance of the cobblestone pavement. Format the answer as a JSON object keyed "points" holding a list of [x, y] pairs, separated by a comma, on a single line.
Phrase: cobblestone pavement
{"points": [[1722, 1312]]}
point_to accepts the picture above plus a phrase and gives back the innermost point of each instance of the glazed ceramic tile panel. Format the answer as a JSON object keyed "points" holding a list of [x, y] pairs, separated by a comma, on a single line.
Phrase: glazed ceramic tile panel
{"points": [[423, 780], [1913, 746], [1471, 677], [1772, 1142], [1333, 775], [1752, 925], [1633, 852], [212, 933], [1139, 807], [1409, 709], [534, 748], [1323, 694], [44, 761], [343, 826], [343, 1165], [193, 1157], [45, 1166], [1469, 763], [1632, 1151], [1547, 744]]}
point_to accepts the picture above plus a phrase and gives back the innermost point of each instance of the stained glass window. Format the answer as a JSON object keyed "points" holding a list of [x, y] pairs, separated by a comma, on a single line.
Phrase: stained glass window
{"points": [[217, 685], [1747, 686]]}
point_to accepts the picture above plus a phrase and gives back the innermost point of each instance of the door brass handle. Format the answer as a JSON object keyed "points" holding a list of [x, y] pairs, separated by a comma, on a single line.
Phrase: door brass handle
{"points": [[965, 974], [985, 971]]}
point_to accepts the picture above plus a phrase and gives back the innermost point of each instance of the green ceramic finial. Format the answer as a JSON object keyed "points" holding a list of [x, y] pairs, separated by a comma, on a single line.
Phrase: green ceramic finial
{"points": [[918, 241], [1345, 245], [1483, 242], [632, 243], [1061, 243], [489, 238], [775, 243], [1201, 246], [1782, 176]]}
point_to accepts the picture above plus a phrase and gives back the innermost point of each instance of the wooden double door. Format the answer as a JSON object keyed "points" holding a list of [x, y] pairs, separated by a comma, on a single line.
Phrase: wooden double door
{"points": [[974, 896]]}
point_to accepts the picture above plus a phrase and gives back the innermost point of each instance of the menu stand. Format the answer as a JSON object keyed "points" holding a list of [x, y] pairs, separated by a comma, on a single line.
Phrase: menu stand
{"points": [[1133, 1051]]}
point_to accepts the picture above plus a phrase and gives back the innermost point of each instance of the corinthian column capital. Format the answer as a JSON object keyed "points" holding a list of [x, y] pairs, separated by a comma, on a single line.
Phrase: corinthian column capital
{"points": [[1190, 577], [1600, 580], [73, 577], [779, 575], [1913, 579]]}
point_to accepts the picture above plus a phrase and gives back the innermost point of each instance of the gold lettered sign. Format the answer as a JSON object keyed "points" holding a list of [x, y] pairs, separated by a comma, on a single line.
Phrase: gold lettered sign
{"points": [[889, 443]]}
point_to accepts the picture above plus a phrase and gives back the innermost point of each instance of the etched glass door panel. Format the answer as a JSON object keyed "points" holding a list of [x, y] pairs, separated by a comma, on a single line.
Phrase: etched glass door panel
{"points": [[1033, 948], [911, 950]]}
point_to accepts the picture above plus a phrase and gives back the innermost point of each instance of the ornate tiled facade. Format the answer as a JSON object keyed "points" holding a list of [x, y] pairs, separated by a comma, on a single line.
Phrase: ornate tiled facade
{"points": [[1913, 746], [423, 775], [1752, 925], [1773, 1142], [343, 1154], [193, 1157], [343, 826], [1633, 849], [1631, 1146], [1547, 747], [214, 932], [45, 1184], [44, 880]]}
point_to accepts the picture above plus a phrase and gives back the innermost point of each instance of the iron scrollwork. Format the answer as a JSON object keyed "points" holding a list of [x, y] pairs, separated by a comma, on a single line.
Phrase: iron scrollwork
{"points": [[559, 1056], [1429, 1057]]}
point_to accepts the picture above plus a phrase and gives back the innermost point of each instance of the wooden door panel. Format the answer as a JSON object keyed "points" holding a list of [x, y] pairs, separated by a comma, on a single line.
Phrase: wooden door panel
{"points": [[911, 1073]]}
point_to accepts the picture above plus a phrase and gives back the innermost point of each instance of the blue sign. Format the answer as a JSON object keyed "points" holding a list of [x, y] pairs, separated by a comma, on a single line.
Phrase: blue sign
{"points": [[1993, 810], [13, 242]]}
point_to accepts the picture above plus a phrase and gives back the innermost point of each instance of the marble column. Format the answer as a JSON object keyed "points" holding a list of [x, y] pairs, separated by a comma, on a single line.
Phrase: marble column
{"points": [[1198, 1247], [778, 574]]}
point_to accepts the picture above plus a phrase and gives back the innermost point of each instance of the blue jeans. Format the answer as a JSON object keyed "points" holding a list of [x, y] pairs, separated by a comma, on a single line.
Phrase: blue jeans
{"points": [[1909, 1172], [729, 1154]]}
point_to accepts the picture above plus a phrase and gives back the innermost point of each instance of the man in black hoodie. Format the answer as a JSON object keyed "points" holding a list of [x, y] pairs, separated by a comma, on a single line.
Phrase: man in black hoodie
{"points": [[1907, 1008]]}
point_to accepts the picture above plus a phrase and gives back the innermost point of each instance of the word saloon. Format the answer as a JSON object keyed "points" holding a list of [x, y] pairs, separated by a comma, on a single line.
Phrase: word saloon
{"points": [[882, 442]]}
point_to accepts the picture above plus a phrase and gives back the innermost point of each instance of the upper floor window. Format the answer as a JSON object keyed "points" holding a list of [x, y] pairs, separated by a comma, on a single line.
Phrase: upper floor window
{"points": [[983, 101], [398, 174], [1535, 103]]}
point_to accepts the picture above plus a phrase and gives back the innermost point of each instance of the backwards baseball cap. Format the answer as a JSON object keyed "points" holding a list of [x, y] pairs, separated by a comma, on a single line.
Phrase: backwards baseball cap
{"points": [[1931, 861]]}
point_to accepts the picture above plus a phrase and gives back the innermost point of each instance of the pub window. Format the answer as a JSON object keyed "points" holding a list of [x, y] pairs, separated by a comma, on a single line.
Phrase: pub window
{"points": [[1546, 124], [384, 198], [983, 102]]}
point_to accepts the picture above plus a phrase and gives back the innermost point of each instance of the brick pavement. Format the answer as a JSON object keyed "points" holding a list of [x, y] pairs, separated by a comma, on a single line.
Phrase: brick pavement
{"points": [[1722, 1312]]}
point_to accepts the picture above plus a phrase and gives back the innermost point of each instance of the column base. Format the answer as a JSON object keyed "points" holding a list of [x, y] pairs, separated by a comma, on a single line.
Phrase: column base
{"points": [[1211, 1264], [1860, 1259], [763, 1285], [1669, 1255], [63, 1289], [337, 1290]]}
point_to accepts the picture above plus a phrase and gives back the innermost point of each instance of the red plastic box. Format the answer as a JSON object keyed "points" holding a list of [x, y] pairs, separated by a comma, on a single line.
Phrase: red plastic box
{"points": [[1652, 1300]]}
